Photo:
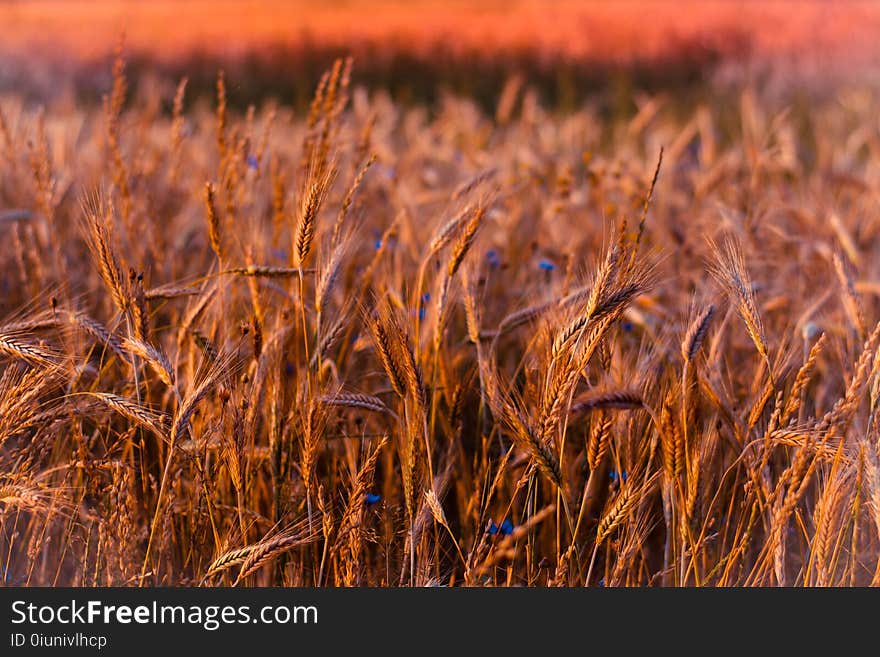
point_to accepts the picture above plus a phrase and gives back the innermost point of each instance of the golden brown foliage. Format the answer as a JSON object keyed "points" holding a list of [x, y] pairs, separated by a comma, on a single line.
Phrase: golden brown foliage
{"points": [[441, 349]]}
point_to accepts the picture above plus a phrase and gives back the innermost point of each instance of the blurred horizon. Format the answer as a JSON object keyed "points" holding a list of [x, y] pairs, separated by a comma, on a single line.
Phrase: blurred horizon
{"points": [[413, 49]]}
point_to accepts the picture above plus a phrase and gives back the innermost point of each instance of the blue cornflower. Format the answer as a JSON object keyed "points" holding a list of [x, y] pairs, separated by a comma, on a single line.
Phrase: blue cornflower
{"points": [[389, 173], [492, 257], [506, 528], [546, 265], [378, 244], [253, 162], [627, 326], [423, 311], [615, 477], [372, 498]]}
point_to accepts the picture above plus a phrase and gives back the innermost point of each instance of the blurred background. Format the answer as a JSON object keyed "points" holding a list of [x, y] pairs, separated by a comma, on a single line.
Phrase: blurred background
{"points": [[418, 49]]}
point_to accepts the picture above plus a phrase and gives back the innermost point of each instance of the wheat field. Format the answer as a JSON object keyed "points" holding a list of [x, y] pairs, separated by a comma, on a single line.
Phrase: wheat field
{"points": [[376, 345]]}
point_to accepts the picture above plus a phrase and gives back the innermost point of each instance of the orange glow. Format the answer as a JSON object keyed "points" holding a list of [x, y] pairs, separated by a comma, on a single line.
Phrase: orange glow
{"points": [[591, 29]]}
